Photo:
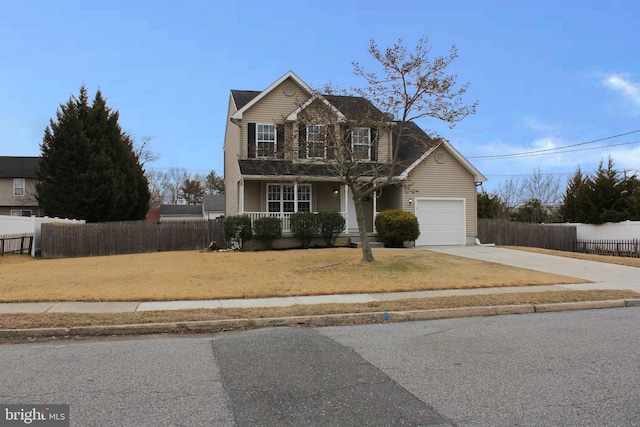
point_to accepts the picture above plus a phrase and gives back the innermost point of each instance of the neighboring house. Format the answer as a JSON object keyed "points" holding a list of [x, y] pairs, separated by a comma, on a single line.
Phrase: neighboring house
{"points": [[17, 186], [436, 182], [213, 205], [180, 212]]}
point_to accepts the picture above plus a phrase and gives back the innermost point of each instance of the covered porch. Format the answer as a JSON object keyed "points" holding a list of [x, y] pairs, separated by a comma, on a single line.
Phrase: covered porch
{"points": [[282, 197]]}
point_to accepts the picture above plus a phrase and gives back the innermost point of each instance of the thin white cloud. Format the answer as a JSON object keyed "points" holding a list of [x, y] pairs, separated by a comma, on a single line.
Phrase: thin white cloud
{"points": [[626, 87]]}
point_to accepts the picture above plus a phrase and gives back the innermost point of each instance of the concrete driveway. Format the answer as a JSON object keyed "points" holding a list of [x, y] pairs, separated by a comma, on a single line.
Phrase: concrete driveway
{"points": [[603, 275]]}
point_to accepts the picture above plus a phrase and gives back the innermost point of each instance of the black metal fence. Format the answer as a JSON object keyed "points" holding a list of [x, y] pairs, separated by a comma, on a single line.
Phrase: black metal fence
{"points": [[16, 244], [130, 237], [508, 233], [625, 248]]}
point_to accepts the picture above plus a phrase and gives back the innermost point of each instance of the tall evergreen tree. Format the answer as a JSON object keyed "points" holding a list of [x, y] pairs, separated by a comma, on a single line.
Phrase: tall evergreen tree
{"points": [[89, 169], [573, 202], [607, 196]]}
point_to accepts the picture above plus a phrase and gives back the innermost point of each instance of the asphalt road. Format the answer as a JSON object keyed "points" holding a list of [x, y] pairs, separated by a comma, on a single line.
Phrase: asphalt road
{"points": [[578, 368]]}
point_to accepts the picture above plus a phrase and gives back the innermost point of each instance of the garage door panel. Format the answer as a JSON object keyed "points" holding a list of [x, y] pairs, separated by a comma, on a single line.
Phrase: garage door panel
{"points": [[441, 222]]}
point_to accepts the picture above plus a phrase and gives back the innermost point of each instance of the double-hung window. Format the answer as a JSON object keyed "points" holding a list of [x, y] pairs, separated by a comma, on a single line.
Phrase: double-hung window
{"points": [[288, 198], [361, 143], [265, 140], [316, 141], [18, 186]]}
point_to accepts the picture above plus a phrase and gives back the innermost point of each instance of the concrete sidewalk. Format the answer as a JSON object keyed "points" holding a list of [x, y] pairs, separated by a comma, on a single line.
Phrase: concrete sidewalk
{"points": [[131, 306]]}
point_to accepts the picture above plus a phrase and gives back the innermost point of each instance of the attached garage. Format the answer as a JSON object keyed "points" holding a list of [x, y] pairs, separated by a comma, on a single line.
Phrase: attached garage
{"points": [[441, 220]]}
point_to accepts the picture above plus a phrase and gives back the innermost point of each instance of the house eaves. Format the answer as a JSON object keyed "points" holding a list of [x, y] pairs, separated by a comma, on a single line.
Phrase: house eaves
{"points": [[290, 74], [477, 175]]}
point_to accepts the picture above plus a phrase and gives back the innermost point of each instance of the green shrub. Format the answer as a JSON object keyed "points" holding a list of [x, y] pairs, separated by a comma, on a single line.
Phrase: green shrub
{"points": [[267, 229], [395, 226], [237, 230], [331, 224], [304, 226]]}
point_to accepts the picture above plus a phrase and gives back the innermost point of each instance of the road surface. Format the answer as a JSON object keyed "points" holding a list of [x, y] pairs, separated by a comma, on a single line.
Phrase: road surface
{"points": [[568, 369]]}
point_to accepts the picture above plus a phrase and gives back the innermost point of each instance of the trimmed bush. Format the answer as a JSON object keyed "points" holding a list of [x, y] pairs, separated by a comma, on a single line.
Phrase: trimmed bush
{"points": [[267, 229], [395, 226], [237, 230], [331, 224], [304, 226]]}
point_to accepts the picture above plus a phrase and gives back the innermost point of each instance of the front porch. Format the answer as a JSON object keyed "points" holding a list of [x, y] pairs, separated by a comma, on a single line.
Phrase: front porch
{"points": [[281, 198]]}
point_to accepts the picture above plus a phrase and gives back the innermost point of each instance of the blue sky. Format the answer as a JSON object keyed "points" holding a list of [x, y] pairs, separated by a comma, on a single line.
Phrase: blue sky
{"points": [[547, 73]]}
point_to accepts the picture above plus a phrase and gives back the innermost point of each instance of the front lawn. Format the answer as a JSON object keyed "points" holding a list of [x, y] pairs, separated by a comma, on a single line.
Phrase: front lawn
{"points": [[196, 275]]}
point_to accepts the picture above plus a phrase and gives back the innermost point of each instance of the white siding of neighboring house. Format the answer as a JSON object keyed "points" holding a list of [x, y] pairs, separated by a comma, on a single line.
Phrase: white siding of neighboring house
{"points": [[447, 180]]}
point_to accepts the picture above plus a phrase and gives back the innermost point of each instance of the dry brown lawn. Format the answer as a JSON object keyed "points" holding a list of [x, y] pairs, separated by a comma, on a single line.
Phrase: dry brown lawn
{"points": [[196, 275]]}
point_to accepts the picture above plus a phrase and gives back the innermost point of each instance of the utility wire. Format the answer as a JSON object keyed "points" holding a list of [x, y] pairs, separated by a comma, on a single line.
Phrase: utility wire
{"points": [[556, 149], [533, 154]]}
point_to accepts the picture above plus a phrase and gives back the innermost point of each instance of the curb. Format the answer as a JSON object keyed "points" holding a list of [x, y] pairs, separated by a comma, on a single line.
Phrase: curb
{"points": [[310, 321]]}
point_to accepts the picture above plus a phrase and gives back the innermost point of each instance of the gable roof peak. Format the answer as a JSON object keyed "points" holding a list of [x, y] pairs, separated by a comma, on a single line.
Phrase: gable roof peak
{"points": [[288, 75]]}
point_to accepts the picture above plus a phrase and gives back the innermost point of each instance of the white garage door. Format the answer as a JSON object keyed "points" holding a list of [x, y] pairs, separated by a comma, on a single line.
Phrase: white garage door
{"points": [[442, 221]]}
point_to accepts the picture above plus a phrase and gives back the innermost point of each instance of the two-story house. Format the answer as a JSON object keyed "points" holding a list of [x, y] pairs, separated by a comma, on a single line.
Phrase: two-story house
{"points": [[17, 185], [275, 164]]}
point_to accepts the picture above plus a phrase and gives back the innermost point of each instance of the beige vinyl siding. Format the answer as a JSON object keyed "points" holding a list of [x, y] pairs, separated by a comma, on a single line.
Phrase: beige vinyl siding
{"points": [[232, 143], [8, 199], [383, 146], [391, 198], [323, 197], [254, 196], [449, 179], [272, 109]]}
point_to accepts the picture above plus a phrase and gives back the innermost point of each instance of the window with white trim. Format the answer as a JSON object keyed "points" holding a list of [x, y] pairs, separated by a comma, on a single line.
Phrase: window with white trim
{"points": [[361, 143], [316, 141], [265, 140], [23, 212], [18, 186], [288, 198]]}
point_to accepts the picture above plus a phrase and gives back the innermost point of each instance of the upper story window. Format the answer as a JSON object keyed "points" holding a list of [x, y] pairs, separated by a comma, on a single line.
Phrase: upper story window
{"points": [[316, 141], [361, 143], [265, 140], [18, 186]]}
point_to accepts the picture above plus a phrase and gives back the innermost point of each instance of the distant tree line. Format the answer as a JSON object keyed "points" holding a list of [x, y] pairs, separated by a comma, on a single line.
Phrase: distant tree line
{"points": [[176, 186], [607, 195]]}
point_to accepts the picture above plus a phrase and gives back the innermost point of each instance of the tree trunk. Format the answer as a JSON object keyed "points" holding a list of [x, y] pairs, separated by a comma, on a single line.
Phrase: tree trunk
{"points": [[367, 255]]}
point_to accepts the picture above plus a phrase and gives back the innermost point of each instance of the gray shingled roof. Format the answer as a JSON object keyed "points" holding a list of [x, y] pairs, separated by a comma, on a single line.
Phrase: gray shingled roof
{"points": [[18, 167], [213, 203], [243, 97], [181, 210]]}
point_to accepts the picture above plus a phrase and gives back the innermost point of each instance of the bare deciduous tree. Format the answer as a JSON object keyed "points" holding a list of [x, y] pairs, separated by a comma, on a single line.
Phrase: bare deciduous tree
{"points": [[410, 86]]}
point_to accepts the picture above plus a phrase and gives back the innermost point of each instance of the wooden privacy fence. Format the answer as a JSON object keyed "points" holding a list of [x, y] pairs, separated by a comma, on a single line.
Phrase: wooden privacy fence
{"points": [[130, 237], [16, 243], [508, 233], [625, 248]]}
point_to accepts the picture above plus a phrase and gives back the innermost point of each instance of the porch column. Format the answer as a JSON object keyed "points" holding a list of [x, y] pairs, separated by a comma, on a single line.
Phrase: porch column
{"points": [[346, 205], [375, 209], [241, 195]]}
